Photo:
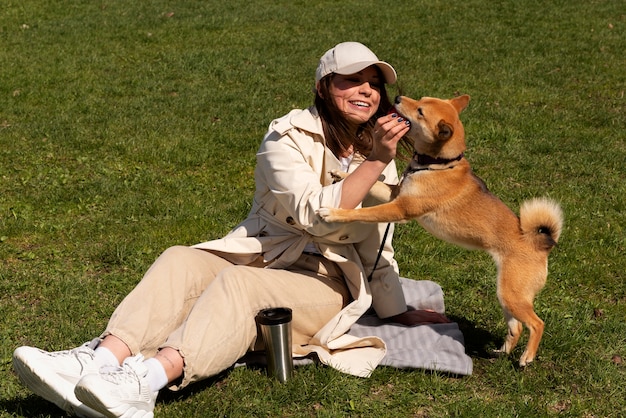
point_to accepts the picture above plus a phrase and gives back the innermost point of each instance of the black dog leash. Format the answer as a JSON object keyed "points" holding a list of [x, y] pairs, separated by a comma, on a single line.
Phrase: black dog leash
{"points": [[380, 252]]}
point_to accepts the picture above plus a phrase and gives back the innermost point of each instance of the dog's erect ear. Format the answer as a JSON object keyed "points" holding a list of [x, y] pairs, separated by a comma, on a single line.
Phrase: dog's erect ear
{"points": [[444, 130], [460, 102]]}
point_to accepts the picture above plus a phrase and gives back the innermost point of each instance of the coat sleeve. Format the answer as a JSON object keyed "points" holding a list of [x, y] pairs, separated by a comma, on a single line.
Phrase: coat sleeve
{"points": [[291, 171]]}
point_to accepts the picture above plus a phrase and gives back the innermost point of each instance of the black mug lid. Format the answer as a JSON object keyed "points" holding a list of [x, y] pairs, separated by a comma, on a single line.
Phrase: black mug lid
{"points": [[274, 316]]}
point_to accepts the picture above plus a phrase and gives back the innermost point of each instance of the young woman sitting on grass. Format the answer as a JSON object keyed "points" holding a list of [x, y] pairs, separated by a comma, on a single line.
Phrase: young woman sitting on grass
{"points": [[193, 313]]}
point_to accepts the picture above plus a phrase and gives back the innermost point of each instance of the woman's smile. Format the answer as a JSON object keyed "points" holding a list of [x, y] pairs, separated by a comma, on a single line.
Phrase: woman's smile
{"points": [[357, 95]]}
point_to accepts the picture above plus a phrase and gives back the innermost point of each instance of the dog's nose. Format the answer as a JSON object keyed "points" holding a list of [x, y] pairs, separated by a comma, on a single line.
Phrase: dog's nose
{"points": [[398, 99]]}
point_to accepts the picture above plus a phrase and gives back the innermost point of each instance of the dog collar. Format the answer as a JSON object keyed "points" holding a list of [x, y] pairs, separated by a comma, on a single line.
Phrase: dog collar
{"points": [[421, 162], [423, 159]]}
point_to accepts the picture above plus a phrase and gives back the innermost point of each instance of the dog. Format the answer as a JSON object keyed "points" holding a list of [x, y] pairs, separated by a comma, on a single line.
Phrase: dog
{"points": [[440, 191]]}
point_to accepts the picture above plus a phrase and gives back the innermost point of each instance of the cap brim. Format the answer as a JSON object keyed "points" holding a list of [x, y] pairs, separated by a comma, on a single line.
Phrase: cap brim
{"points": [[388, 72]]}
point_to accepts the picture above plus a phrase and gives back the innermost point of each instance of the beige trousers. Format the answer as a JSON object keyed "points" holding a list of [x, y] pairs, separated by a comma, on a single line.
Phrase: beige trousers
{"points": [[204, 306]]}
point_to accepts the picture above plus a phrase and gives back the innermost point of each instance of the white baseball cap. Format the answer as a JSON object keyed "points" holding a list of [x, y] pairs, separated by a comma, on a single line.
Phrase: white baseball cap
{"points": [[349, 58]]}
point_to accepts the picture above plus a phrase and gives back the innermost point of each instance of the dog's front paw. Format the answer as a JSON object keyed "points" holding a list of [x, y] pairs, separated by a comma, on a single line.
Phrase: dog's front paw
{"points": [[337, 175], [324, 213], [328, 215]]}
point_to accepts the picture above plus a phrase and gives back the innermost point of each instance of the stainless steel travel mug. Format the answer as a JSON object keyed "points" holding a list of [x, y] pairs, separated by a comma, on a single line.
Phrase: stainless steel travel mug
{"points": [[275, 324]]}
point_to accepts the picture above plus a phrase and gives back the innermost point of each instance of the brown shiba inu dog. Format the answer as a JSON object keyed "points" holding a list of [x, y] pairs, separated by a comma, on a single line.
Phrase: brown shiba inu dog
{"points": [[439, 190]]}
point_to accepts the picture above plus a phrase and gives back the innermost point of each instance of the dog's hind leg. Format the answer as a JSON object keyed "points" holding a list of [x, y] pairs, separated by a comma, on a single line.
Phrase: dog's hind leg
{"points": [[513, 335], [518, 285], [522, 312], [535, 326]]}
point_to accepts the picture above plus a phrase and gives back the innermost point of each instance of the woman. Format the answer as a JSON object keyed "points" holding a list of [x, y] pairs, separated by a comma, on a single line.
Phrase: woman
{"points": [[192, 315]]}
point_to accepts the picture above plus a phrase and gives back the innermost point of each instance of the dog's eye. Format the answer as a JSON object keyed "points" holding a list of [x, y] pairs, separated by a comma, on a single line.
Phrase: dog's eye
{"points": [[419, 112]]}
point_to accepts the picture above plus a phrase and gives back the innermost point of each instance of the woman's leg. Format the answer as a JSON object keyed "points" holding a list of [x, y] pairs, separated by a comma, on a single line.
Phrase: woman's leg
{"points": [[221, 326], [158, 304], [161, 301]]}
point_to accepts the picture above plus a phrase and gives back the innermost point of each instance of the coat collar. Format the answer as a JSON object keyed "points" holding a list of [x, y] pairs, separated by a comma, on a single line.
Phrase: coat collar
{"points": [[305, 120], [308, 120]]}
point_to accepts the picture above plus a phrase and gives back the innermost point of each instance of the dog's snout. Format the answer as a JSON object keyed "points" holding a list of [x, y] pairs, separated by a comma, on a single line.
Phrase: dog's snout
{"points": [[398, 99]]}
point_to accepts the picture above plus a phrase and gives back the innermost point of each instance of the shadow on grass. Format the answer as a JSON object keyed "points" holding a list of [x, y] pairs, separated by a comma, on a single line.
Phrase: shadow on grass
{"points": [[479, 343], [31, 406], [167, 397]]}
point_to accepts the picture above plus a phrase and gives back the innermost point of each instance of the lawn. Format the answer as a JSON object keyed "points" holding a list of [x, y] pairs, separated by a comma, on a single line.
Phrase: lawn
{"points": [[128, 127]]}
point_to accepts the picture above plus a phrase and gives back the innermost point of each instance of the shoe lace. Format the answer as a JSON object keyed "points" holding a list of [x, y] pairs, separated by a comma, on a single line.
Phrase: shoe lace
{"points": [[126, 373], [81, 354]]}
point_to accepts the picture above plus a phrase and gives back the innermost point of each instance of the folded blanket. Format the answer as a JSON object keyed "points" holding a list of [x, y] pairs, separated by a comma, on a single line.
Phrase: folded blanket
{"points": [[437, 347]]}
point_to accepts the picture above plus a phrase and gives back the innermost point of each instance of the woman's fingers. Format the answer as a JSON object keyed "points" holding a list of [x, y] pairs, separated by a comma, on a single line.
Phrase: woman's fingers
{"points": [[388, 131], [391, 127]]}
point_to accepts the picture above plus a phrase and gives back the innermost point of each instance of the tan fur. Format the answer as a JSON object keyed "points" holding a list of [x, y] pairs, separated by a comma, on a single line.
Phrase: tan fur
{"points": [[453, 204]]}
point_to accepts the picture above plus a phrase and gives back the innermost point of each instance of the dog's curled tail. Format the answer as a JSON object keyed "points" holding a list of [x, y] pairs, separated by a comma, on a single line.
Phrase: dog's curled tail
{"points": [[541, 220]]}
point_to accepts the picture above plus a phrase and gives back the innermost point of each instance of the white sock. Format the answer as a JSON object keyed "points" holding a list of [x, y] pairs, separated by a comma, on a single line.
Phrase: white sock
{"points": [[157, 378], [105, 358]]}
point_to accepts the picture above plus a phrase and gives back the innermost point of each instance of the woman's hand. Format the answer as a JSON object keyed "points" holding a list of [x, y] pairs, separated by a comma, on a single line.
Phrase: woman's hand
{"points": [[388, 131], [414, 317]]}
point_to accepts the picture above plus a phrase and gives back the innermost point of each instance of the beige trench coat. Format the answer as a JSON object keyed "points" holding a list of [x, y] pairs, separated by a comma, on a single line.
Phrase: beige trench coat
{"points": [[292, 183]]}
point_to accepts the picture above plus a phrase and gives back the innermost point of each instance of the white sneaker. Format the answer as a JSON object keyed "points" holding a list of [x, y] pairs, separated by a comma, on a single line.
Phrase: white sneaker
{"points": [[53, 375], [124, 392]]}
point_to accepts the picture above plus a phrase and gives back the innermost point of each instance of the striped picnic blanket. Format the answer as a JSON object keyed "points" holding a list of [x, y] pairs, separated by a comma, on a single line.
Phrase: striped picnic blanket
{"points": [[437, 347]]}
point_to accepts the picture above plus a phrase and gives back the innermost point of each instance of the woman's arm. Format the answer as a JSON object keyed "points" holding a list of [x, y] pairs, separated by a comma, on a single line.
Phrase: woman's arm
{"points": [[414, 317], [387, 132]]}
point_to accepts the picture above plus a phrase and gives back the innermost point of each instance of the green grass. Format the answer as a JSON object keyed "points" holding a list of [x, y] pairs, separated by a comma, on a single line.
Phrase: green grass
{"points": [[127, 127]]}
